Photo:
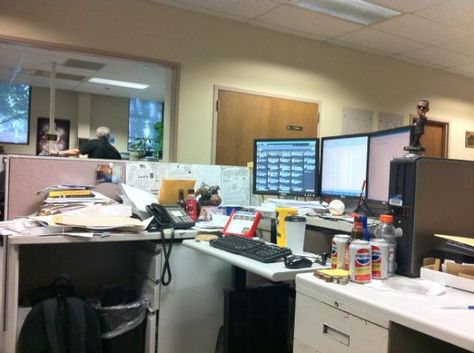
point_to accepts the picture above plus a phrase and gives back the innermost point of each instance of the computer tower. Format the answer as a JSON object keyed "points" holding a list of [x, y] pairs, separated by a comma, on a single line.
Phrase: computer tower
{"points": [[428, 196]]}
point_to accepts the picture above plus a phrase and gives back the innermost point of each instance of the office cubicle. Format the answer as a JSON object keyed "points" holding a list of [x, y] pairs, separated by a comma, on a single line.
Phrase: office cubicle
{"points": [[94, 265]]}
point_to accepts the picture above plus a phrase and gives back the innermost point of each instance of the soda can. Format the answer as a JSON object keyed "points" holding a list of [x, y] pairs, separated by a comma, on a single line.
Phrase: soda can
{"points": [[360, 268], [339, 251], [380, 258]]}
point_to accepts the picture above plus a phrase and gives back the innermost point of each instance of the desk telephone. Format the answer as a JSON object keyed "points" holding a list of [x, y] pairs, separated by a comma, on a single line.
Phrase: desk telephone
{"points": [[172, 216]]}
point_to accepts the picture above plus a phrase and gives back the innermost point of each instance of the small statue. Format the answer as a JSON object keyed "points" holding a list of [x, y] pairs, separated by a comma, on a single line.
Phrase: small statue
{"points": [[208, 195], [422, 108]]}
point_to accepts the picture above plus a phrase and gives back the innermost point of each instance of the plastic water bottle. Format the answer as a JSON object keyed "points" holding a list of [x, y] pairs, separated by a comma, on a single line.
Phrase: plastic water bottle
{"points": [[386, 230]]}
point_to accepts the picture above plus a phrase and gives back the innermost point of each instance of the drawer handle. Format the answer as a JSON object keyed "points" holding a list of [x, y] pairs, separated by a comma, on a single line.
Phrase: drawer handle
{"points": [[336, 335]]}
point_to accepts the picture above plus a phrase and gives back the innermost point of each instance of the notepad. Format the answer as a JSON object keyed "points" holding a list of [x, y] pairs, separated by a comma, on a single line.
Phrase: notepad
{"points": [[462, 240]]}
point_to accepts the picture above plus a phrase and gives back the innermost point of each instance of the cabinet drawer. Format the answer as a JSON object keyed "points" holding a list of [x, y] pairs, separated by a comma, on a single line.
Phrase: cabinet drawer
{"points": [[330, 330], [152, 291], [149, 263], [300, 347]]}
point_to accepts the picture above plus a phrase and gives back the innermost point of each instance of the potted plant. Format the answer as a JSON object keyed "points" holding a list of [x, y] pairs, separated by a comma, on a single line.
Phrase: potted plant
{"points": [[138, 148], [158, 151]]}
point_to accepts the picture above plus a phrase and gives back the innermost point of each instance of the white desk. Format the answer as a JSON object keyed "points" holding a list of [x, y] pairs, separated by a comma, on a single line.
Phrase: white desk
{"points": [[13, 270], [274, 271], [381, 308]]}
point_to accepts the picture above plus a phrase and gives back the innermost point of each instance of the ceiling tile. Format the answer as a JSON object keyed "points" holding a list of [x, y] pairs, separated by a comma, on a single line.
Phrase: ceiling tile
{"points": [[465, 70], [306, 21], [438, 56], [380, 41], [420, 29], [456, 13], [236, 9], [358, 47], [463, 46], [406, 5], [297, 33]]}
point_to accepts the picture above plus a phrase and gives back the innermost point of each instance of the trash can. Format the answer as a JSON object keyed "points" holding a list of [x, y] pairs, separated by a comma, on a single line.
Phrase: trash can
{"points": [[121, 314]]}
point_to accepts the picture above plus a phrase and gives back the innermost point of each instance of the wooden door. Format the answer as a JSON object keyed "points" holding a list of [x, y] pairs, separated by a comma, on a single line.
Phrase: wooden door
{"points": [[435, 138], [243, 117]]}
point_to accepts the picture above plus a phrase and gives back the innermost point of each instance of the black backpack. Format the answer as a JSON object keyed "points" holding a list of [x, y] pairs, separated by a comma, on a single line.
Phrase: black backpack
{"points": [[60, 325]]}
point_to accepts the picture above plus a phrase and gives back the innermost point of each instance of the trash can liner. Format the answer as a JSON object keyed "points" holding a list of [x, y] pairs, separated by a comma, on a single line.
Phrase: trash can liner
{"points": [[118, 319]]}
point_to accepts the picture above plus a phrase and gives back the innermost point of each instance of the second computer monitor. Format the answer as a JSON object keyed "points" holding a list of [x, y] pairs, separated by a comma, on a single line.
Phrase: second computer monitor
{"points": [[344, 165]]}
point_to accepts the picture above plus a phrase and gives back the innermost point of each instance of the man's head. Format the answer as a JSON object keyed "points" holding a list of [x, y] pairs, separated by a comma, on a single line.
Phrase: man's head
{"points": [[103, 132], [423, 107]]}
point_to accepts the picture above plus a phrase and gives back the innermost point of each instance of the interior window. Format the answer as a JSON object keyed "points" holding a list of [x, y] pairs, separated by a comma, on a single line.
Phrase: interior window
{"points": [[14, 113], [145, 126]]}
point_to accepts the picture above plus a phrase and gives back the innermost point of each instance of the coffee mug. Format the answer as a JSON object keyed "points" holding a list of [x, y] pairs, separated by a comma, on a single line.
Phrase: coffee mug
{"points": [[295, 231]]}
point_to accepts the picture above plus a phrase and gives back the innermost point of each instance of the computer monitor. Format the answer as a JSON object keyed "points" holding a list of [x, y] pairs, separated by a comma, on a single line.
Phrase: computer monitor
{"points": [[384, 145], [344, 165], [286, 167]]}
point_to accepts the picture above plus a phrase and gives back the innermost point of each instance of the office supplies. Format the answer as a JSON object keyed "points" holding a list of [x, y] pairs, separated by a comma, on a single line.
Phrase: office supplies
{"points": [[457, 307], [250, 248], [242, 223], [286, 167]]}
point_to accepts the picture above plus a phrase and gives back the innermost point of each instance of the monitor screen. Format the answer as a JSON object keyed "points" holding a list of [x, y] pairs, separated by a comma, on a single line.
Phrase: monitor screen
{"points": [[343, 165], [286, 167], [384, 145]]}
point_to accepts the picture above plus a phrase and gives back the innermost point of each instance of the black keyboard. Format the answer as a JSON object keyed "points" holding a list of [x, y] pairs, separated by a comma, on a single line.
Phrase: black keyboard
{"points": [[253, 249]]}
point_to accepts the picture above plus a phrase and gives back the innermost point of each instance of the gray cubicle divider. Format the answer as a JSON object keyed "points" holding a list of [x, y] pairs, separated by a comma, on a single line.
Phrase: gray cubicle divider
{"points": [[25, 175]]}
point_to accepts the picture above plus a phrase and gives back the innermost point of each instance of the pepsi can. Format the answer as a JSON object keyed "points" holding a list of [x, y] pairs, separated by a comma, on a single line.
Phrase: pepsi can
{"points": [[380, 258], [339, 251], [360, 269]]}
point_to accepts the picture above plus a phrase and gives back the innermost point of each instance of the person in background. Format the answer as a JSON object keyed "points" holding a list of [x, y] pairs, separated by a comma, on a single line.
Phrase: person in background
{"points": [[422, 108], [95, 148]]}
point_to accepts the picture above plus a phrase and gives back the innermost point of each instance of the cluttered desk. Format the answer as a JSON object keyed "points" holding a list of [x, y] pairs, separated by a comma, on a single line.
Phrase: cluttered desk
{"points": [[417, 218]]}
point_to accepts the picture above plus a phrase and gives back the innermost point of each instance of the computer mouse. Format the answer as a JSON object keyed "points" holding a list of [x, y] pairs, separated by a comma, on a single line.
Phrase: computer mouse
{"points": [[296, 261]]}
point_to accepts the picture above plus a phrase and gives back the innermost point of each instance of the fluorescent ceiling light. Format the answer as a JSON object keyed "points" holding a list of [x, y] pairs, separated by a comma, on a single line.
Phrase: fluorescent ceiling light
{"points": [[118, 83], [358, 11]]}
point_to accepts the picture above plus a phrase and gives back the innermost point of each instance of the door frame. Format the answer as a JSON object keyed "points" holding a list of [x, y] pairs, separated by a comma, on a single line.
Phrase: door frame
{"points": [[437, 122], [260, 93]]}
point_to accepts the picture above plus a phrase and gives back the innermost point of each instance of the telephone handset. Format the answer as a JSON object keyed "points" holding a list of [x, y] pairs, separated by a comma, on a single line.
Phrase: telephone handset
{"points": [[172, 216]]}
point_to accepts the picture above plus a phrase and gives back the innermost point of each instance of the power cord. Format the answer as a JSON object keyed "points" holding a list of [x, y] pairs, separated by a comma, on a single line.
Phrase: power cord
{"points": [[166, 271]]}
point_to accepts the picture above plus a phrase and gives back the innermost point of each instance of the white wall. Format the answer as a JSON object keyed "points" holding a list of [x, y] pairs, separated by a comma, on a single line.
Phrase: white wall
{"points": [[213, 51], [113, 113]]}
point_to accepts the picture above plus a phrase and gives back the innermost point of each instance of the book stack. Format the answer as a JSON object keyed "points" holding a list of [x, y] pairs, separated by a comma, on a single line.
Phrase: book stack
{"points": [[70, 193]]}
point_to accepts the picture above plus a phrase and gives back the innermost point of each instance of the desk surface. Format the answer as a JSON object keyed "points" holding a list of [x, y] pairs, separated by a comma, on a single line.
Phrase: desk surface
{"points": [[416, 311], [275, 271]]}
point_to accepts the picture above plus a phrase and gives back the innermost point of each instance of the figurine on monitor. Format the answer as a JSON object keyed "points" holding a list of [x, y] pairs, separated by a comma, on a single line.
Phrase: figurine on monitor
{"points": [[422, 108]]}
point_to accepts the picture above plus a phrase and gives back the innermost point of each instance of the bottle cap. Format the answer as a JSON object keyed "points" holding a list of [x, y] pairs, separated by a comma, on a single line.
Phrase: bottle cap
{"points": [[386, 218]]}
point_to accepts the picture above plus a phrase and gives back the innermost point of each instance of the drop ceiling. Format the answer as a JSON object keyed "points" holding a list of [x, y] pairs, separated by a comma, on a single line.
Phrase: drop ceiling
{"points": [[434, 33], [24, 64]]}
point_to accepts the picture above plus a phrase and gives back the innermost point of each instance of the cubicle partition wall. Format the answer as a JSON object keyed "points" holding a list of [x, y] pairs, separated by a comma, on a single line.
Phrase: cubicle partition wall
{"points": [[27, 175], [93, 264]]}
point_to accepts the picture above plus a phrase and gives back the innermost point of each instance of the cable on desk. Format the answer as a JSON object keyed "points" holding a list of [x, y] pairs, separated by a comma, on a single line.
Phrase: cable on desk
{"points": [[166, 272]]}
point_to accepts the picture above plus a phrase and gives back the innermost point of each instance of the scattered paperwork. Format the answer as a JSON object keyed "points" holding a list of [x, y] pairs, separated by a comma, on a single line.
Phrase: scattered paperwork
{"points": [[409, 285], [98, 223]]}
